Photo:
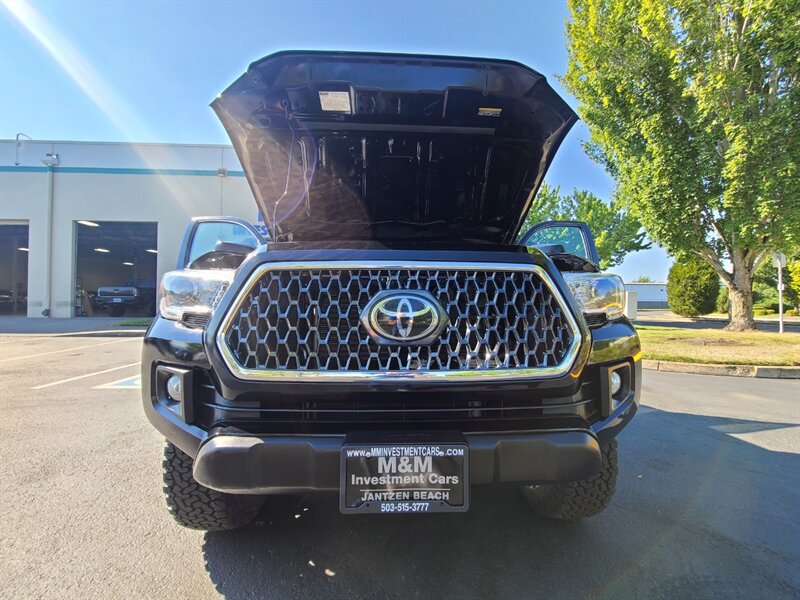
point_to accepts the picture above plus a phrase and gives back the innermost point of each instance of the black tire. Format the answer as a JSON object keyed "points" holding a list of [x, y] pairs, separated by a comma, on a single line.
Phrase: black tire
{"points": [[116, 311], [576, 500], [198, 507]]}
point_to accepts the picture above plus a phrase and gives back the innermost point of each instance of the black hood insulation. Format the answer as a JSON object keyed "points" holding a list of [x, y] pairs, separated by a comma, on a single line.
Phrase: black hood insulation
{"points": [[356, 146]]}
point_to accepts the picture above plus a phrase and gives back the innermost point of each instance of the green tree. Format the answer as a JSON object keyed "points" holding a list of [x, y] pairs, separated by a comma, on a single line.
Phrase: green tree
{"points": [[643, 279], [723, 302], [765, 285], [615, 232], [792, 282], [693, 108], [692, 287]]}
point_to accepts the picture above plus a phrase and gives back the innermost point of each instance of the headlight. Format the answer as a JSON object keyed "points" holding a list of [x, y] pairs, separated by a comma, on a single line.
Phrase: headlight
{"points": [[192, 292], [598, 293]]}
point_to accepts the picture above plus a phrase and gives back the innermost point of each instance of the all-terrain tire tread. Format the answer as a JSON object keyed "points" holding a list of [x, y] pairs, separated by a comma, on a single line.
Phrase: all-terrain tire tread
{"points": [[575, 500], [198, 507]]}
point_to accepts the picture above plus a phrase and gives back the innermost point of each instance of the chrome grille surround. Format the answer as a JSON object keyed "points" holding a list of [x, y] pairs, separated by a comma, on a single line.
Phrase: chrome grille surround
{"points": [[554, 318]]}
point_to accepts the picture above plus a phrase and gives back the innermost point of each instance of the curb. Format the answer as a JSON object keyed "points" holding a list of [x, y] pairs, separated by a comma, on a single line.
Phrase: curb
{"points": [[726, 370], [71, 334]]}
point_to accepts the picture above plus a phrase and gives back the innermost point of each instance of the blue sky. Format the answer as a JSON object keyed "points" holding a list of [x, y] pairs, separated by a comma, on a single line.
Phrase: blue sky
{"points": [[146, 71]]}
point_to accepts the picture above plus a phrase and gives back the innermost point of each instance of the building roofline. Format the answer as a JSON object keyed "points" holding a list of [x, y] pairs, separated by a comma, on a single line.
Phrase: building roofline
{"points": [[86, 142]]}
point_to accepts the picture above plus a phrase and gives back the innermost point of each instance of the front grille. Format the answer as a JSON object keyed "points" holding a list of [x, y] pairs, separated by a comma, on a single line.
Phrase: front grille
{"points": [[476, 411], [307, 319], [120, 293], [196, 320], [595, 319]]}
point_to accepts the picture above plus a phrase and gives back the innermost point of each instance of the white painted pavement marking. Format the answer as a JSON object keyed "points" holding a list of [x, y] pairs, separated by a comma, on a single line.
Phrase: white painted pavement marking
{"points": [[83, 333], [129, 383], [47, 385], [69, 349]]}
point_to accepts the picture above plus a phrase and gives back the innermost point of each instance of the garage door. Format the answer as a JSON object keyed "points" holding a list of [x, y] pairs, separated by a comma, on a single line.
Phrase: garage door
{"points": [[115, 271], [13, 268]]}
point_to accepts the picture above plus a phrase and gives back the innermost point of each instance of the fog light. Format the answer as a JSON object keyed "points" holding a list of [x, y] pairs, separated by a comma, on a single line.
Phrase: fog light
{"points": [[175, 389], [616, 383]]}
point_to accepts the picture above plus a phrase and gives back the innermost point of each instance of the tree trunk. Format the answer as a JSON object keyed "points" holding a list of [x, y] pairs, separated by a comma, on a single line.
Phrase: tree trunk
{"points": [[740, 294], [741, 309]]}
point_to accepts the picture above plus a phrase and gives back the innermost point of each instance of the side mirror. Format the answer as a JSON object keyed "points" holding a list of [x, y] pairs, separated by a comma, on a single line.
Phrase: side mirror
{"points": [[217, 234], [562, 237]]}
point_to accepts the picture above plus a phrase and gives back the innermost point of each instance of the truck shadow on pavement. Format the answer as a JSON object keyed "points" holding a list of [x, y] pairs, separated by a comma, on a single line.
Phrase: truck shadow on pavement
{"points": [[698, 513]]}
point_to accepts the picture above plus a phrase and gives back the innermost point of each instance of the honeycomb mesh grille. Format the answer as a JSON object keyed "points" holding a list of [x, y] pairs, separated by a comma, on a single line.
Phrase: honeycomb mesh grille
{"points": [[309, 320]]}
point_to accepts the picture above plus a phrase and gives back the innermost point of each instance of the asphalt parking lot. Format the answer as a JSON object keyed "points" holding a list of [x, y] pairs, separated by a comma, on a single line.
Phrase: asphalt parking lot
{"points": [[707, 506]]}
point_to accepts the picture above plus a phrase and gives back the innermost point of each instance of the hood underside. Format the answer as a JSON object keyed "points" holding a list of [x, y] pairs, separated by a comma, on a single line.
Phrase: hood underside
{"points": [[354, 146]]}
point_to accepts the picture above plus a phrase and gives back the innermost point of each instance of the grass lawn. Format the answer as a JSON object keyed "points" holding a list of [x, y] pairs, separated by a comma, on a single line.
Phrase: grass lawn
{"points": [[143, 322], [719, 347]]}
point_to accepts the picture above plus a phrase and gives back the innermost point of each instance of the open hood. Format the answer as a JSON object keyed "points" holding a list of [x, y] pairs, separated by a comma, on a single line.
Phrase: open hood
{"points": [[357, 146]]}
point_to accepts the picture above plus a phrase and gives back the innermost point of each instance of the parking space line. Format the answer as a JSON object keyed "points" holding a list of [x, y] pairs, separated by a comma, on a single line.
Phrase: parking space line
{"points": [[128, 383], [77, 334], [2, 360], [84, 376]]}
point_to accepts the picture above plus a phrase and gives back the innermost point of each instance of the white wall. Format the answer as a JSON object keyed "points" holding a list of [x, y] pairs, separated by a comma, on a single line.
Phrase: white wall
{"points": [[650, 295], [23, 197], [111, 182]]}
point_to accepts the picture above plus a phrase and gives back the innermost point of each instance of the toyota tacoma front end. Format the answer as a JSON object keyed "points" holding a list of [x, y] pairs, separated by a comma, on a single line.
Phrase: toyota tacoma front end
{"points": [[397, 340]]}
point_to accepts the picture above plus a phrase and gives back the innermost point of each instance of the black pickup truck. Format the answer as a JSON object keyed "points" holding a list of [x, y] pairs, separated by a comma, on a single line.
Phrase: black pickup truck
{"points": [[134, 294], [399, 339]]}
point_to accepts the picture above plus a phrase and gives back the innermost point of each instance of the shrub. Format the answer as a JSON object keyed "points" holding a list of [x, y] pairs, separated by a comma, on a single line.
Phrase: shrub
{"points": [[692, 287], [723, 302], [792, 312], [768, 305], [760, 312], [765, 285]]}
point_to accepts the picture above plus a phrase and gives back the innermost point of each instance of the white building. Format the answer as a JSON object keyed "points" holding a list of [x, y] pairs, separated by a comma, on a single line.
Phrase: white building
{"points": [[649, 295], [75, 216]]}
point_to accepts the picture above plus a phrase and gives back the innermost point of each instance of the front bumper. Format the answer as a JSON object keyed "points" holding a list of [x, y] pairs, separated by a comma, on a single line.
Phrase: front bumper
{"points": [[232, 457], [117, 301], [244, 464], [237, 462]]}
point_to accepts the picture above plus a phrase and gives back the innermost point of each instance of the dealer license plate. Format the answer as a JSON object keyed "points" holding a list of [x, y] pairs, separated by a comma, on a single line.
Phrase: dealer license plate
{"points": [[404, 478]]}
